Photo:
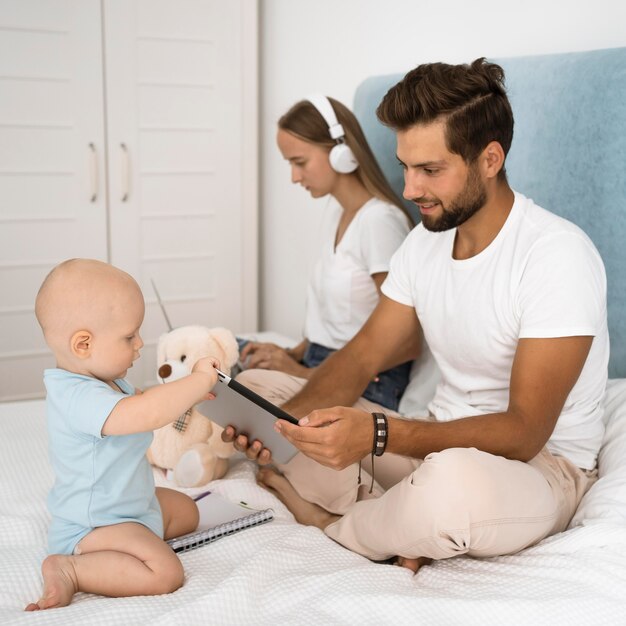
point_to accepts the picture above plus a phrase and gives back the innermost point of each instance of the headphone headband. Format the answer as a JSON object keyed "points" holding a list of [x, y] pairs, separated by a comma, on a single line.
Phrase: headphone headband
{"points": [[341, 157], [323, 105]]}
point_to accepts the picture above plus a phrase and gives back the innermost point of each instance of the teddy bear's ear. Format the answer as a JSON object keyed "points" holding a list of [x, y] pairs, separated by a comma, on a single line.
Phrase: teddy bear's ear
{"points": [[226, 340]]}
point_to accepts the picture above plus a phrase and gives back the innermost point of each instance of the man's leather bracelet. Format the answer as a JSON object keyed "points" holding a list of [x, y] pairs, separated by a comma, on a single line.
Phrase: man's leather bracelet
{"points": [[381, 432]]}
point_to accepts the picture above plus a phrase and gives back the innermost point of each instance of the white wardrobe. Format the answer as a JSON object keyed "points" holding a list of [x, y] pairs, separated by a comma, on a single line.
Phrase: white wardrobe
{"points": [[128, 133]]}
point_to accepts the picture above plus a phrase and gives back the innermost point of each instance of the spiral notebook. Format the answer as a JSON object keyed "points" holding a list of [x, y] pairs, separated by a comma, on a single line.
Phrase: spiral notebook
{"points": [[219, 518]]}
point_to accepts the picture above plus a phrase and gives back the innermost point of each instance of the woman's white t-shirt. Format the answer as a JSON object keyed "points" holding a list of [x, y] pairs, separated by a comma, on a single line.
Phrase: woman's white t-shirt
{"points": [[341, 293]]}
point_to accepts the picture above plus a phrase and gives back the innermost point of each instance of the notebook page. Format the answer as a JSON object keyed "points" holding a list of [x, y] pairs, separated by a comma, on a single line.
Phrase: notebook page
{"points": [[218, 518]]}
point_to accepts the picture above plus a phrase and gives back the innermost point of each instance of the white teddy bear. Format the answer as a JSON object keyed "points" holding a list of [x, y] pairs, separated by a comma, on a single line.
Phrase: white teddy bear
{"points": [[191, 447]]}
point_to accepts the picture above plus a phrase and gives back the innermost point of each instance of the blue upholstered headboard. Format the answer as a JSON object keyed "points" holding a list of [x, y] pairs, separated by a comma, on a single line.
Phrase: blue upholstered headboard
{"points": [[568, 153]]}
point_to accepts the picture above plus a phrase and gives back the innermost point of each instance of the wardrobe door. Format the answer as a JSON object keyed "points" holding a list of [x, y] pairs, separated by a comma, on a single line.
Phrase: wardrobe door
{"points": [[52, 195], [181, 107]]}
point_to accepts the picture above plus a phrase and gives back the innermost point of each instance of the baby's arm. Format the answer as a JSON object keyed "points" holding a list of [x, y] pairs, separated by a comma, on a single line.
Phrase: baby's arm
{"points": [[162, 404]]}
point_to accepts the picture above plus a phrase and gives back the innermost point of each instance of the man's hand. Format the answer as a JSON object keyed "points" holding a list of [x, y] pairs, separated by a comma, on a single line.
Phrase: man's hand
{"points": [[254, 451], [335, 437]]}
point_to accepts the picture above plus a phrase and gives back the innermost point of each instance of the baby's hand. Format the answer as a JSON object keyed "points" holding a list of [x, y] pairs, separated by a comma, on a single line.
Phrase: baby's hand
{"points": [[208, 366]]}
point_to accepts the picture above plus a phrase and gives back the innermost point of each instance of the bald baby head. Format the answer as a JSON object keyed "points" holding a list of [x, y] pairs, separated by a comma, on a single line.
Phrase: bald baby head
{"points": [[82, 294]]}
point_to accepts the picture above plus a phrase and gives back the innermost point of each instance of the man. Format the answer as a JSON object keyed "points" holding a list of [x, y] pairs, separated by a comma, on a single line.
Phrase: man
{"points": [[511, 300]]}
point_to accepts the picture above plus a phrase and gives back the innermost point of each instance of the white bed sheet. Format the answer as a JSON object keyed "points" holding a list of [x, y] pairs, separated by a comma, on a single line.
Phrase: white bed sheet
{"points": [[284, 573]]}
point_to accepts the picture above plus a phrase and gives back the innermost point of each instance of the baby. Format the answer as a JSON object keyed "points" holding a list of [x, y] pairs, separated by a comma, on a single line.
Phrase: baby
{"points": [[108, 520]]}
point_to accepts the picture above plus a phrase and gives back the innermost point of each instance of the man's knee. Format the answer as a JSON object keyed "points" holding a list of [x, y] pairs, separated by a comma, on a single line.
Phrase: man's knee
{"points": [[277, 387], [496, 504], [444, 494], [255, 378], [457, 477], [459, 465]]}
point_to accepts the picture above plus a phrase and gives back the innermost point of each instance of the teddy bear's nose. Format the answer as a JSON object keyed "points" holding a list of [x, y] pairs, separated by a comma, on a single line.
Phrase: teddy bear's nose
{"points": [[165, 370]]}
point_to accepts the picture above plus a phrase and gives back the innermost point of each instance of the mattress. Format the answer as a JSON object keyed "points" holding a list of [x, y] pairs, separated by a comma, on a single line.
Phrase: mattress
{"points": [[285, 573]]}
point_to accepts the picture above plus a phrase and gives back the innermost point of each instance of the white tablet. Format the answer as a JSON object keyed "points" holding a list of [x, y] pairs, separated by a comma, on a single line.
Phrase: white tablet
{"points": [[250, 414]]}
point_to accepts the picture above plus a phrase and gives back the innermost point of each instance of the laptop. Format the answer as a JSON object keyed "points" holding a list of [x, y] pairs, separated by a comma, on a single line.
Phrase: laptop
{"points": [[250, 414]]}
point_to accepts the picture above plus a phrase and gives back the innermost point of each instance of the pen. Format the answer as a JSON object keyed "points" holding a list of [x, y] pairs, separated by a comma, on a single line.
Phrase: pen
{"points": [[201, 495]]}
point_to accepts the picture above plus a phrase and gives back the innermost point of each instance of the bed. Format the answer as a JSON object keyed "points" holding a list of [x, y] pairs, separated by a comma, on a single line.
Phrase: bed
{"points": [[285, 573]]}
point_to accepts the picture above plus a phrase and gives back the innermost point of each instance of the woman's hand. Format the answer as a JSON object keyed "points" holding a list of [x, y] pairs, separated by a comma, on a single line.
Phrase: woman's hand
{"points": [[335, 437], [269, 356]]}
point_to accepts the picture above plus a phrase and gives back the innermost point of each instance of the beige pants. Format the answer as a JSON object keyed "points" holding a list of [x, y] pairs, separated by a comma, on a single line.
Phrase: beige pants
{"points": [[458, 501]]}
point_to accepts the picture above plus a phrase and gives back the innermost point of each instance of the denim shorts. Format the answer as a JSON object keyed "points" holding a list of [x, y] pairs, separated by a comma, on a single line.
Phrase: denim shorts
{"points": [[386, 390], [241, 343]]}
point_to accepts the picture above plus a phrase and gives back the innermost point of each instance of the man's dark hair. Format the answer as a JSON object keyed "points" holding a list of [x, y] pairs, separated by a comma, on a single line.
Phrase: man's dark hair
{"points": [[471, 99]]}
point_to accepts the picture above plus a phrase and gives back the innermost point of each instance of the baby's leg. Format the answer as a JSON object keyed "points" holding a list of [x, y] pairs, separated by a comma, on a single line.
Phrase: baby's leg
{"points": [[180, 512], [119, 560]]}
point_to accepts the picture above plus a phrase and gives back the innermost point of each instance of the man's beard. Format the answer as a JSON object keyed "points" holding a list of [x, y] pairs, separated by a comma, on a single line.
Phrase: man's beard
{"points": [[469, 201]]}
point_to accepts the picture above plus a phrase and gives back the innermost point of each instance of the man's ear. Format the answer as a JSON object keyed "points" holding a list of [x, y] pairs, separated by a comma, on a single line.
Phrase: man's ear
{"points": [[492, 159], [81, 344]]}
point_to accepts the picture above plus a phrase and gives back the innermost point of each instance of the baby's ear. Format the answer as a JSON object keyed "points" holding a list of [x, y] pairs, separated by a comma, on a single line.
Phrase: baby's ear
{"points": [[80, 344]]}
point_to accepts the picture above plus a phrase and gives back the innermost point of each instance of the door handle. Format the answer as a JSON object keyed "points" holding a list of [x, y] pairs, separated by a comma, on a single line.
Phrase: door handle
{"points": [[93, 172], [125, 172]]}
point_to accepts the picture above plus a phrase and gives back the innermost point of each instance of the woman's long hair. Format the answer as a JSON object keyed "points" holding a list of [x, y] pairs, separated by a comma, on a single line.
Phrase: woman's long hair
{"points": [[307, 123]]}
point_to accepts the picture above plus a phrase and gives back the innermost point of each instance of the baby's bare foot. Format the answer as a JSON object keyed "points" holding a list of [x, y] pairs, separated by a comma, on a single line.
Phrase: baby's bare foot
{"points": [[305, 512], [59, 583]]}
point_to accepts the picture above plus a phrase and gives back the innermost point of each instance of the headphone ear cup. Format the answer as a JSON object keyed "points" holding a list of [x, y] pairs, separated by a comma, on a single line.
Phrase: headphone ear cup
{"points": [[342, 159]]}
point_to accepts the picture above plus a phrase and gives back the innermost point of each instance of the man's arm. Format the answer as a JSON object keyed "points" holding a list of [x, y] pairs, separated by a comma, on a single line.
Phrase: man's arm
{"points": [[379, 279], [543, 374], [391, 335]]}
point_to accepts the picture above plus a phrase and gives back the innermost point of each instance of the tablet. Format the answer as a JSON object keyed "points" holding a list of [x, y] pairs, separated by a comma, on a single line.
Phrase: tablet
{"points": [[250, 414]]}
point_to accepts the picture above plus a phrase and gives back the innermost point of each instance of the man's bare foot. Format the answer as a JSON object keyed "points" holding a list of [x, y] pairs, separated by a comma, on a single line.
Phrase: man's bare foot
{"points": [[413, 564], [59, 583], [305, 512]]}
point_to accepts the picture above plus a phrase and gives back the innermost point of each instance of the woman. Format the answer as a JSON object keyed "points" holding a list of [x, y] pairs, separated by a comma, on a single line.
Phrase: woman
{"points": [[363, 226]]}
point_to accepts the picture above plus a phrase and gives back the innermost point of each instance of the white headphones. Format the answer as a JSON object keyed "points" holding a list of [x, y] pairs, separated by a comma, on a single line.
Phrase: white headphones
{"points": [[341, 157]]}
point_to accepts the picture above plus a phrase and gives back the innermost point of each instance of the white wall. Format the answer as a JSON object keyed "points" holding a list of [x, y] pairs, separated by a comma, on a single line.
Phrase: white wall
{"points": [[332, 45]]}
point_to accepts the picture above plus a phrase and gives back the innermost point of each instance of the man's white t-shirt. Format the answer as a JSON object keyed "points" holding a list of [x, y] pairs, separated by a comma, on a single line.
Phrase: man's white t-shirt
{"points": [[341, 293], [540, 277]]}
